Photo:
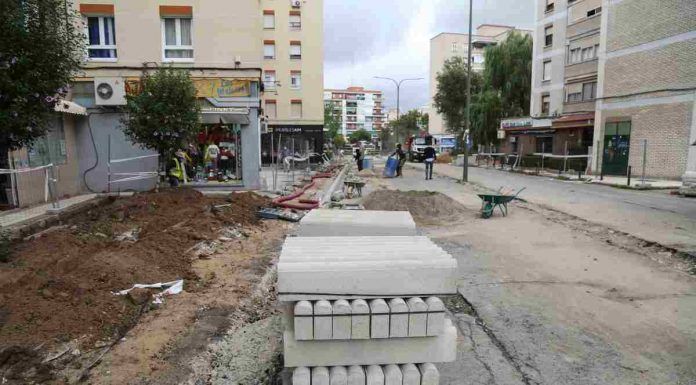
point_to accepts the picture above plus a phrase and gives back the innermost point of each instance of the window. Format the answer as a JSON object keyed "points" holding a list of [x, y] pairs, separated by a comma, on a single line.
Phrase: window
{"points": [[295, 80], [269, 49], [271, 110], [574, 97], [454, 47], [547, 70], [549, 5], [269, 80], [589, 91], [548, 33], [101, 38], [51, 147], [596, 50], [295, 50], [595, 11], [178, 45], [268, 19], [545, 104], [296, 109], [544, 144], [295, 21]]}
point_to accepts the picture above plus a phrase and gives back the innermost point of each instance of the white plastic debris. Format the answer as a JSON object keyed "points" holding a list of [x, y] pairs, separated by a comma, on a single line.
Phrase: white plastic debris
{"points": [[170, 288]]}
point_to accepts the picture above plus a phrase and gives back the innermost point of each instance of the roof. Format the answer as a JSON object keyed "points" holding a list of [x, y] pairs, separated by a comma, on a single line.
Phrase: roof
{"points": [[575, 120]]}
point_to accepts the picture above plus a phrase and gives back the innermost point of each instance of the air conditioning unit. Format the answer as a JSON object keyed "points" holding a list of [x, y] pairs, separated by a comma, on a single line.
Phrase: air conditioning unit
{"points": [[109, 91], [295, 3]]}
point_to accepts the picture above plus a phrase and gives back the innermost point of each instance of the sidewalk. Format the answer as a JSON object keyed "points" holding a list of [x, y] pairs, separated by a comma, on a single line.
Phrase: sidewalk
{"points": [[18, 216]]}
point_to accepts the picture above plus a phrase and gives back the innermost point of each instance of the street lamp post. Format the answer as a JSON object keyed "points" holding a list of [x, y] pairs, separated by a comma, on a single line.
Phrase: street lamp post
{"points": [[465, 168], [397, 83]]}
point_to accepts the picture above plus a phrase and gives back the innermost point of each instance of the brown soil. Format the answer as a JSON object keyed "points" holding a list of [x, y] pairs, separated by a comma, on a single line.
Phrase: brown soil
{"points": [[426, 207], [57, 287]]}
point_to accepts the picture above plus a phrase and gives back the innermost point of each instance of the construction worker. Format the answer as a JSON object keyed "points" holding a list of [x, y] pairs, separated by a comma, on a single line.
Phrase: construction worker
{"points": [[401, 155], [429, 156]]}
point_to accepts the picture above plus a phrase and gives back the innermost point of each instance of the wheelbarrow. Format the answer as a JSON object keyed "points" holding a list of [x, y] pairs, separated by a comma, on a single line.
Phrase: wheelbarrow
{"points": [[491, 201]]}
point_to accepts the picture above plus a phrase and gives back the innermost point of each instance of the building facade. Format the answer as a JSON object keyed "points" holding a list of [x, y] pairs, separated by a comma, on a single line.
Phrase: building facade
{"points": [[293, 76], [647, 90], [357, 109], [445, 46]]}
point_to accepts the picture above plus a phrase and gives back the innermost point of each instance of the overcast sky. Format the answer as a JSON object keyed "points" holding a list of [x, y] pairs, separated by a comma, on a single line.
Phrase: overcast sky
{"points": [[366, 38]]}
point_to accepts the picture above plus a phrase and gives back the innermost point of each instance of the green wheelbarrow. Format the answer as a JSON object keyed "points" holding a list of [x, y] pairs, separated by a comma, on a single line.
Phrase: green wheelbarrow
{"points": [[491, 201]]}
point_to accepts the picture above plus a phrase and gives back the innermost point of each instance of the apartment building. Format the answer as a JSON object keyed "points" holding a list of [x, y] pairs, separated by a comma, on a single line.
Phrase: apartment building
{"points": [[647, 90], [448, 45], [293, 76], [357, 109]]}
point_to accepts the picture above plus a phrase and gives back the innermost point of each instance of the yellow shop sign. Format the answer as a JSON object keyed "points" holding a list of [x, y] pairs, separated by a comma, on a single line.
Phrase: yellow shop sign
{"points": [[222, 88]]}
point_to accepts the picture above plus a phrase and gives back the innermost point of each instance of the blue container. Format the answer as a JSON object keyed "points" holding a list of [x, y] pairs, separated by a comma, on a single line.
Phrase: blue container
{"points": [[367, 163], [390, 167]]}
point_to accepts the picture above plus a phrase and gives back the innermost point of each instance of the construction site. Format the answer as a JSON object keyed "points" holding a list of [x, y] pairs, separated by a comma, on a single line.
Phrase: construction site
{"points": [[346, 278]]}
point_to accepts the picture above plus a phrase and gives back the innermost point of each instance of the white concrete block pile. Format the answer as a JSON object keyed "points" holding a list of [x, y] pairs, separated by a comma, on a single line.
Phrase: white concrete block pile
{"points": [[360, 292]]}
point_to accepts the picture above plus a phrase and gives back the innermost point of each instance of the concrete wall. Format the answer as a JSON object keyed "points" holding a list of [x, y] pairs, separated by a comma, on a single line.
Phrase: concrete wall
{"points": [[251, 144], [311, 65]]}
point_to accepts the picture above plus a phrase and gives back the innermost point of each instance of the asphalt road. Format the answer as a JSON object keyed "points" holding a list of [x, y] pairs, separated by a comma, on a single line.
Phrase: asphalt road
{"points": [[652, 215]]}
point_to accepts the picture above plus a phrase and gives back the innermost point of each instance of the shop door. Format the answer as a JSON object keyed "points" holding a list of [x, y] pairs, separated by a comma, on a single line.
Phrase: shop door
{"points": [[617, 139]]}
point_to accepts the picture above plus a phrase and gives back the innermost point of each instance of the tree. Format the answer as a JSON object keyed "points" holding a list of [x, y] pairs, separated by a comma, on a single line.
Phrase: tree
{"points": [[164, 115], [508, 70], [332, 126], [408, 124], [424, 122], [486, 110], [360, 135], [41, 49], [450, 99]]}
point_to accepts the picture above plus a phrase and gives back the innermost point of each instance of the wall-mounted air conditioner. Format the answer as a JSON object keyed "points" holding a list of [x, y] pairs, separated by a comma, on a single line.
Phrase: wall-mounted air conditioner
{"points": [[109, 91], [295, 3]]}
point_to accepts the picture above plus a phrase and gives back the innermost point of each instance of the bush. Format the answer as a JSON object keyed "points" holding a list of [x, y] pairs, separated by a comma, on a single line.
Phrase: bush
{"points": [[444, 158]]}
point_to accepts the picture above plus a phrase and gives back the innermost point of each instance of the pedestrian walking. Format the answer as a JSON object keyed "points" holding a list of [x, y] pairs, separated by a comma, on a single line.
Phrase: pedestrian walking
{"points": [[401, 155], [430, 155], [359, 159]]}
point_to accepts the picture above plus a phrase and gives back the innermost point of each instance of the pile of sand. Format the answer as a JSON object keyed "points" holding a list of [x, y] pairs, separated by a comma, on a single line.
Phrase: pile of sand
{"points": [[426, 207]]}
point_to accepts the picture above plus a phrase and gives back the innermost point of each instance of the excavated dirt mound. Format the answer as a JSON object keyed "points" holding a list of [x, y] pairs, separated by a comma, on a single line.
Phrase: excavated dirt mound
{"points": [[426, 207], [57, 287]]}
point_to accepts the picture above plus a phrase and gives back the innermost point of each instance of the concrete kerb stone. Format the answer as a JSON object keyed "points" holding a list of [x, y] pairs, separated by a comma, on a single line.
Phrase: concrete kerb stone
{"points": [[338, 182]]}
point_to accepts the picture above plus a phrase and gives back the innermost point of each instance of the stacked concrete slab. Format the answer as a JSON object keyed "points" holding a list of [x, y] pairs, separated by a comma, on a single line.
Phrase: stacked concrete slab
{"points": [[360, 292]]}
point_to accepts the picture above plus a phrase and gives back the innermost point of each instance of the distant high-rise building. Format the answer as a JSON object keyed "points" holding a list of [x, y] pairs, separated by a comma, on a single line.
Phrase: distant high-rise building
{"points": [[448, 45], [357, 109]]}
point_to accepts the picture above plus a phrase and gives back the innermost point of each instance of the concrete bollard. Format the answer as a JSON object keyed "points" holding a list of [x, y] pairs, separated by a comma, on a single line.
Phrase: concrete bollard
{"points": [[338, 375], [301, 376], [417, 317], [379, 319], [411, 374], [429, 374], [392, 375], [356, 375], [341, 320], [375, 376], [436, 316], [322, 320], [320, 375], [398, 321], [304, 324], [360, 320]]}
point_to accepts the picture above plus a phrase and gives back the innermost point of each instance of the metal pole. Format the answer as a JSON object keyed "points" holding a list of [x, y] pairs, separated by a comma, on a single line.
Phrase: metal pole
{"points": [[565, 158], [465, 168], [645, 153], [293, 160], [628, 179], [108, 166], [273, 162], [543, 151]]}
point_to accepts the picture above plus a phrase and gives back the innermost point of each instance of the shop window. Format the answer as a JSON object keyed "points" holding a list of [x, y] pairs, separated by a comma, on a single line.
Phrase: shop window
{"points": [[545, 104], [295, 50], [269, 50], [295, 21], [268, 19], [271, 109], [101, 38], [178, 44], [547, 70], [548, 36], [544, 144], [589, 91], [296, 80], [49, 148], [269, 80], [296, 109]]}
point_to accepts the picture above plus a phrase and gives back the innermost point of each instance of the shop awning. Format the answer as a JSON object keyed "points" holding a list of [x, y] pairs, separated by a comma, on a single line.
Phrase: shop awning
{"points": [[224, 115], [68, 107], [572, 121]]}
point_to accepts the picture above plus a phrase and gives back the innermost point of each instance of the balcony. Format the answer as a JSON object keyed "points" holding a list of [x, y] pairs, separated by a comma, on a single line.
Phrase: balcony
{"points": [[586, 68], [584, 106], [483, 41]]}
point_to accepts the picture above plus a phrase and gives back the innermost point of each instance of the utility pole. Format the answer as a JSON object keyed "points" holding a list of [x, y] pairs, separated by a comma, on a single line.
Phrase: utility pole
{"points": [[397, 83], [465, 168]]}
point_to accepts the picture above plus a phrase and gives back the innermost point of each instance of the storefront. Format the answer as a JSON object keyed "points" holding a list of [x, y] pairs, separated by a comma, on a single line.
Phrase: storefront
{"points": [[302, 140], [573, 133]]}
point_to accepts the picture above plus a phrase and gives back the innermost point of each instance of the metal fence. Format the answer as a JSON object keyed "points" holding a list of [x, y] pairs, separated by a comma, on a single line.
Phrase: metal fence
{"points": [[33, 191]]}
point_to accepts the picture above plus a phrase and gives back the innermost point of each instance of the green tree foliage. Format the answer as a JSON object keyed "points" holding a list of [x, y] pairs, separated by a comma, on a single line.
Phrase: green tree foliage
{"points": [[486, 110], [425, 122], [450, 99], [41, 48], [332, 126], [409, 124], [359, 135], [164, 115], [508, 70]]}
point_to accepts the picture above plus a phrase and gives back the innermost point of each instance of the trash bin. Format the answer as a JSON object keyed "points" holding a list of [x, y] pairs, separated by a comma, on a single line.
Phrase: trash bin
{"points": [[390, 167]]}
